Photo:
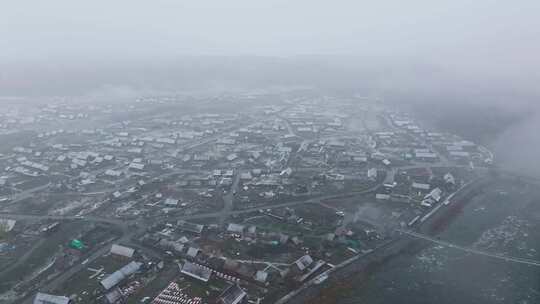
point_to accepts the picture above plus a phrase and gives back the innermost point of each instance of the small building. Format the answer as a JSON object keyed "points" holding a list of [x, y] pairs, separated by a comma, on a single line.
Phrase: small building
{"points": [[136, 166], [303, 262], [246, 176], [171, 202], [44, 298], [196, 271], [425, 156], [382, 196], [261, 276], [190, 227], [232, 295], [119, 275], [372, 173], [113, 296], [420, 186], [235, 228], [113, 173], [7, 224], [192, 252], [122, 251], [449, 178]]}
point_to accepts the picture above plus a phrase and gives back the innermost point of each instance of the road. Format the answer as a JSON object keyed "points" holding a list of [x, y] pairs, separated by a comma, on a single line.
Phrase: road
{"points": [[469, 249], [61, 279], [15, 216], [27, 193], [344, 270], [228, 199]]}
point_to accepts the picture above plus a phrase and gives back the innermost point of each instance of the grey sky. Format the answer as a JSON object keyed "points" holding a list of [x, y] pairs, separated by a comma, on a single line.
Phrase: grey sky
{"points": [[458, 29]]}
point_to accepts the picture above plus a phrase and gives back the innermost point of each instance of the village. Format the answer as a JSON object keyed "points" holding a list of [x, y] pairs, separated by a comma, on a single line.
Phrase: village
{"points": [[173, 199]]}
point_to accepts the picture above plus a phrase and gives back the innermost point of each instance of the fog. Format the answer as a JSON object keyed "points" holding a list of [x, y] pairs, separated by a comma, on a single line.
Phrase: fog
{"points": [[452, 53]]}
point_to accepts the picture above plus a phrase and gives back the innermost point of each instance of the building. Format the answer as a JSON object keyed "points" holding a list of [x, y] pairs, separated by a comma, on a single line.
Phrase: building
{"points": [[261, 276], [7, 224], [43, 298], [196, 271], [193, 252], [171, 202], [122, 251], [372, 173], [190, 227], [303, 262], [382, 196], [232, 295], [119, 275], [235, 228], [420, 186], [449, 178]]}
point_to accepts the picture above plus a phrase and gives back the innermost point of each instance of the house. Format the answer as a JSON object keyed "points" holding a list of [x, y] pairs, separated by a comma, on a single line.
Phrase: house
{"points": [[420, 186], [425, 155], [119, 275], [113, 173], [372, 173], [245, 176], [7, 224], [190, 227], [171, 202], [449, 178], [232, 295], [113, 296], [196, 271], [44, 298], [435, 194], [232, 157], [432, 197], [459, 154], [192, 252], [136, 166], [261, 276], [123, 251], [235, 228], [286, 172], [382, 196], [303, 262]]}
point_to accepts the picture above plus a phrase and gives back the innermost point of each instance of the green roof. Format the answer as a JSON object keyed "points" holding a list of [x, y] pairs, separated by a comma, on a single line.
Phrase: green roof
{"points": [[77, 244]]}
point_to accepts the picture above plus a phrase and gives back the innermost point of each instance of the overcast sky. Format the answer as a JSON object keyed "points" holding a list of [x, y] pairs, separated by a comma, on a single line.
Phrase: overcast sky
{"points": [[456, 30]]}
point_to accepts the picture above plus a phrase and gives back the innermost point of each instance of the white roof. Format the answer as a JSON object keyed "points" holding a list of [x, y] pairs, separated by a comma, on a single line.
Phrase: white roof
{"points": [[43, 298], [459, 153], [111, 172], [261, 276], [8, 224], [136, 166], [192, 251], [122, 250], [425, 155], [117, 276], [236, 228], [303, 262], [382, 196], [171, 202], [196, 271], [421, 186]]}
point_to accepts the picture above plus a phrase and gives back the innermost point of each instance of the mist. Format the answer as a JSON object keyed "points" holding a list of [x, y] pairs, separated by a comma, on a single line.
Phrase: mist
{"points": [[464, 56]]}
